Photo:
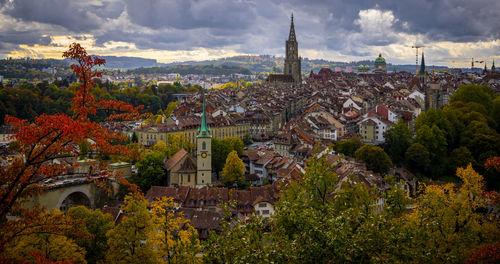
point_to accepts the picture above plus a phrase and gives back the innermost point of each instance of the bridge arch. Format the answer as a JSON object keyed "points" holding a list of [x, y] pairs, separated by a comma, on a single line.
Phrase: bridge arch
{"points": [[74, 197]]}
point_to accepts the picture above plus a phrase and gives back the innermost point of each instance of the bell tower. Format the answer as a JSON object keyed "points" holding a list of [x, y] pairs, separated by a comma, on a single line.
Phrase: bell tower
{"points": [[203, 152], [292, 59]]}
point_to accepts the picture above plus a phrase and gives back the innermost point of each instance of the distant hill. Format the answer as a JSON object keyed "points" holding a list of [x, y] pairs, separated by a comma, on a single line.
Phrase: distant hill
{"points": [[192, 69], [243, 64], [113, 62], [268, 63]]}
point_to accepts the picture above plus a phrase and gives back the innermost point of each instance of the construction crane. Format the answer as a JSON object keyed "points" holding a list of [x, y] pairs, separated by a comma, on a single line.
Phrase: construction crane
{"points": [[472, 63], [416, 55]]}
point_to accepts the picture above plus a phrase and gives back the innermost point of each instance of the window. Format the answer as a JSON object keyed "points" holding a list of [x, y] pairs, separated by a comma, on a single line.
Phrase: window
{"points": [[189, 177], [265, 212], [203, 145], [262, 205]]}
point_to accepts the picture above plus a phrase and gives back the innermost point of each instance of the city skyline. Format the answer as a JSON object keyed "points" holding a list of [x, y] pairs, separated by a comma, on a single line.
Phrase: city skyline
{"points": [[190, 30]]}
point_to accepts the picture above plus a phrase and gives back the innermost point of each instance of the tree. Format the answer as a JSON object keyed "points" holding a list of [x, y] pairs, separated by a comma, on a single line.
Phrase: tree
{"points": [[134, 138], [170, 108], [417, 158], [84, 149], [397, 141], [238, 242], [459, 157], [175, 239], [447, 224], [478, 137], [150, 170], [42, 234], [375, 158], [53, 248], [235, 143], [97, 224], [220, 150], [130, 241], [176, 142], [433, 139], [247, 140], [481, 94], [348, 147], [319, 219], [51, 137], [233, 169]]}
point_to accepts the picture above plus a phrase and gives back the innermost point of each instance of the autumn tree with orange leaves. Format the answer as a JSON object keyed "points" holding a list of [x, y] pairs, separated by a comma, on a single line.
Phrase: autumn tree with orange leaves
{"points": [[49, 137]]}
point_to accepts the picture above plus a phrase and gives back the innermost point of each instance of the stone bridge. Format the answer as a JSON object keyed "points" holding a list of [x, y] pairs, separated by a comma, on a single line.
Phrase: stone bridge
{"points": [[66, 195]]}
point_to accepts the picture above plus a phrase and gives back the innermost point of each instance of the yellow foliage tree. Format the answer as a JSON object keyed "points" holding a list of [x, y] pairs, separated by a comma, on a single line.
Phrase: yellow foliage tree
{"points": [[176, 142], [176, 240], [158, 119], [233, 169], [170, 108], [160, 147], [129, 241], [447, 225], [53, 244]]}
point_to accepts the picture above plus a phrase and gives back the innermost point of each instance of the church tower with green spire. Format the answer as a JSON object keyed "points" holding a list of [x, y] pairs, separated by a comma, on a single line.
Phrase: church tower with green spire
{"points": [[203, 152]]}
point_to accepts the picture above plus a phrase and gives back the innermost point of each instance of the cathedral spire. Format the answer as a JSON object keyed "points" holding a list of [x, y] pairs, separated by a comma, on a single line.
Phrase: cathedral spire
{"points": [[204, 130], [291, 36], [422, 65], [493, 66]]}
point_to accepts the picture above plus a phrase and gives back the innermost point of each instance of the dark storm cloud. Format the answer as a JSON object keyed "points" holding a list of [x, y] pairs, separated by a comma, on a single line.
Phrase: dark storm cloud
{"points": [[72, 15], [189, 14], [257, 26], [453, 20], [29, 37]]}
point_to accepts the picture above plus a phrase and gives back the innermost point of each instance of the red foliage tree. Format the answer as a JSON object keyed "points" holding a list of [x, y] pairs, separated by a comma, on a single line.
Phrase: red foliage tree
{"points": [[492, 163], [50, 137], [487, 254]]}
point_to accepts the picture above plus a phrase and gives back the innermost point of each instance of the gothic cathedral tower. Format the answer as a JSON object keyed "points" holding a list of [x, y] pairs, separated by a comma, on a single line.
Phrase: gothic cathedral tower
{"points": [[292, 59], [203, 152]]}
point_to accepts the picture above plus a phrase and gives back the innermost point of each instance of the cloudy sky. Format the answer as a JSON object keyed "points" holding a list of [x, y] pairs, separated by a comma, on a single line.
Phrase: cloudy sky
{"points": [[179, 30]]}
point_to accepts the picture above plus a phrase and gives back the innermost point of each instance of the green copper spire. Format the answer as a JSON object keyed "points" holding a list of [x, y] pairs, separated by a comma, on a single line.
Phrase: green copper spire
{"points": [[204, 130]]}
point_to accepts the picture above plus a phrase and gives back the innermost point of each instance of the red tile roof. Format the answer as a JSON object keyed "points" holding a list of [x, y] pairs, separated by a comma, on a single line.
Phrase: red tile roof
{"points": [[170, 163]]}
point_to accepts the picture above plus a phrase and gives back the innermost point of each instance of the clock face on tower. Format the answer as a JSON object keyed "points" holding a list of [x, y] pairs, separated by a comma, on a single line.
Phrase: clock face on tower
{"points": [[203, 154]]}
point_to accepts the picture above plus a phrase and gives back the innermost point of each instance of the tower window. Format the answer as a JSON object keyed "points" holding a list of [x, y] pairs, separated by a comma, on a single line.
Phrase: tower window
{"points": [[203, 145]]}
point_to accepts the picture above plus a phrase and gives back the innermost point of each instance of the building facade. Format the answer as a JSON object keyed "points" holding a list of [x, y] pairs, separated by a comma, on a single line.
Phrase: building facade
{"points": [[380, 66]]}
